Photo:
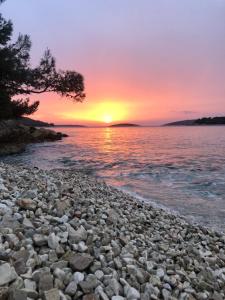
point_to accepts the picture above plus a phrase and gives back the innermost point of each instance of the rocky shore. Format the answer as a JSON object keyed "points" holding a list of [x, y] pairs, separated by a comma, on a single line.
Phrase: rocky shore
{"points": [[14, 136], [64, 235]]}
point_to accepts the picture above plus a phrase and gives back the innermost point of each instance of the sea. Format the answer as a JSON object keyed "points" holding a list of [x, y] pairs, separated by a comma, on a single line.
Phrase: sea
{"points": [[180, 169]]}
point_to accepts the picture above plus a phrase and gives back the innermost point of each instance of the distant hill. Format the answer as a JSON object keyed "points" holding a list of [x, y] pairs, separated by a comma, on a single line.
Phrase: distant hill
{"points": [[124, 125], [202, 121], [35, 123], [70, 126], [181, 123]]}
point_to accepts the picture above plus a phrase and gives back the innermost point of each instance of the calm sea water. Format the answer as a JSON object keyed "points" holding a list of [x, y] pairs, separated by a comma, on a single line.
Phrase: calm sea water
{"points": [[179, 168]]}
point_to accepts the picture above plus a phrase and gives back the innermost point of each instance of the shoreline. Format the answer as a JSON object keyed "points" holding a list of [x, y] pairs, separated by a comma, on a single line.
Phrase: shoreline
{"points": [[14, 136], [92, 241]]}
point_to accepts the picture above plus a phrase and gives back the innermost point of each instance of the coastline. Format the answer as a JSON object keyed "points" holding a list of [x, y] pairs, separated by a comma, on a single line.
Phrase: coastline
{"points": [[15, 136], [66, 234]]}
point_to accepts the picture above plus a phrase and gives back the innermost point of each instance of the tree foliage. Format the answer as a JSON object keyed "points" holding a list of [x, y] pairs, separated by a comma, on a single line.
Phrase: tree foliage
{"points": [[17, 77]]}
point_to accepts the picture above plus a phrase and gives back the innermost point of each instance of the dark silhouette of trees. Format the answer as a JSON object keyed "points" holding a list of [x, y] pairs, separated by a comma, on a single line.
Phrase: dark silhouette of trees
{"points": [[211, 121], [18, 78]]}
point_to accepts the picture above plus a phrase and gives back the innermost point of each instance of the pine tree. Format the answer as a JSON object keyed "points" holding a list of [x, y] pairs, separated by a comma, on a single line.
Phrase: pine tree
{"points": [[17, 78]]}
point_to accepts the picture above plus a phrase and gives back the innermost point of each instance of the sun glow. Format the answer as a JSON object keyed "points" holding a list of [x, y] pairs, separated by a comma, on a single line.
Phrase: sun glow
{"points": [[107, 118], [107, 112]]}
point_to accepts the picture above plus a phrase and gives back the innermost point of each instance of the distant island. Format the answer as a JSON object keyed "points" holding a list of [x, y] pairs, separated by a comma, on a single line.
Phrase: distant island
{"points": [[124, 125], [202, 121]]}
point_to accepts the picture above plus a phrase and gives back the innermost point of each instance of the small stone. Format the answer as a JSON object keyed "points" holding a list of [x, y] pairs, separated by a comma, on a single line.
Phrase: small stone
{"points": [[131, 293], [27, 223], [82, 247], [7, 274], [30, 293], [30, 284], [59, 264], [20, 266], [39, 240], [45, 282], [53, 241], [4, 293], [99, 274], [75, 236], [160, 273], [71, 288], [89, 284], [80, 262], [26, 204], [115, 286], [16, 294], [52, 294], [60, 274], [9, 222], [78, 277], [166, 294], [89, 297]]}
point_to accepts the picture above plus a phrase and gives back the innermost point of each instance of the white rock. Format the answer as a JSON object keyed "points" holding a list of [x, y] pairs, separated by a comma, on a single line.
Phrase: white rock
{"points": [[160, 273], [78, 277], [82, 247], [53, 241]]}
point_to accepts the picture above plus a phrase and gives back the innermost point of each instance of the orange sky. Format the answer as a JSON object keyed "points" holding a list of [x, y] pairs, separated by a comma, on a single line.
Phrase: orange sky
{"points": [[147, 62]]}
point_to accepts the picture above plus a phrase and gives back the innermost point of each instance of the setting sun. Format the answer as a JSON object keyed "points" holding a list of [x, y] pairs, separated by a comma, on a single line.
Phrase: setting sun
{"points": [[107, 118], [105, 111]]}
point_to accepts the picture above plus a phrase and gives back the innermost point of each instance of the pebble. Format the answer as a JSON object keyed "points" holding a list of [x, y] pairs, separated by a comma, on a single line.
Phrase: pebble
{"points": [[66, 236]]}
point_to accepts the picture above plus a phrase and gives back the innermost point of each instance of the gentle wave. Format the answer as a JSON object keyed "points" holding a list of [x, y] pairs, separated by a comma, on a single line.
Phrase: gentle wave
{"points": [[182, 168]]}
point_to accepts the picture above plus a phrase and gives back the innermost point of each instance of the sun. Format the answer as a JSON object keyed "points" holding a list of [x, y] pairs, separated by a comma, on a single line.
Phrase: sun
{"points": [[107, 118]]}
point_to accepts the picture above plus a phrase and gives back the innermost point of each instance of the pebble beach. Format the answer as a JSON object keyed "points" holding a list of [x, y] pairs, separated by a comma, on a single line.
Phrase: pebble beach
{"points": [[65, 236]]}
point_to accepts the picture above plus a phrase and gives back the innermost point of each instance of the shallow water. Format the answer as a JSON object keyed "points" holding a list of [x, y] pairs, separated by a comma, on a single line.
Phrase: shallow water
{"points": [[180, 168]]}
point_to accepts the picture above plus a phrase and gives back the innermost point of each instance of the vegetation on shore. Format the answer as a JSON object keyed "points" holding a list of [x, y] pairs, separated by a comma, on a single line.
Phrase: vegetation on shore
{"points": [[19, 79], [202, 121]]}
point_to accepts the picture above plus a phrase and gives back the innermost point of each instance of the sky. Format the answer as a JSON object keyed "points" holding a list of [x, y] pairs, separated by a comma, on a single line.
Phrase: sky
{"points": [[144, 61]]}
